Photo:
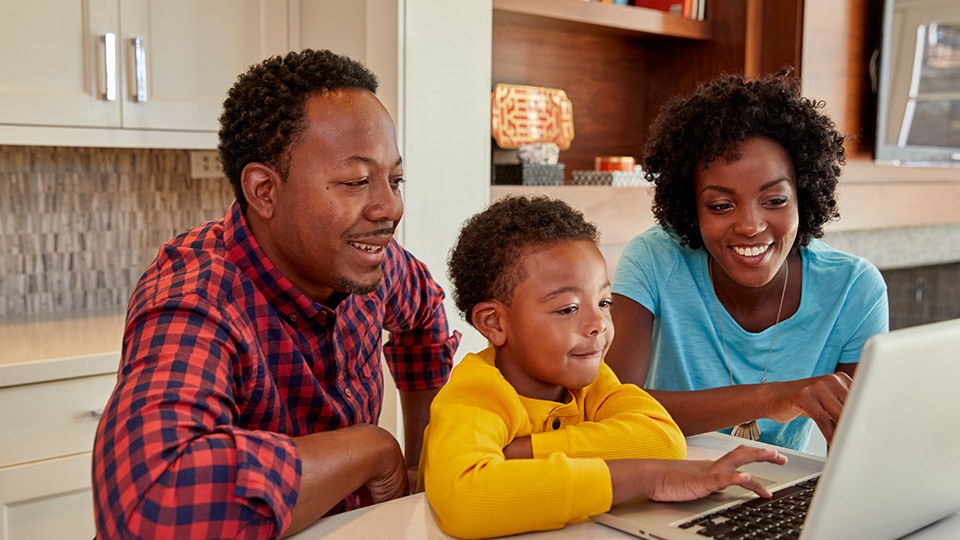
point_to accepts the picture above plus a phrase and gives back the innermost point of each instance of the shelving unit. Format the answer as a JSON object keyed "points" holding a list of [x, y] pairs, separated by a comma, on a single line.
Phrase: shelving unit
{"points": [[580, 16], [620, 64]]}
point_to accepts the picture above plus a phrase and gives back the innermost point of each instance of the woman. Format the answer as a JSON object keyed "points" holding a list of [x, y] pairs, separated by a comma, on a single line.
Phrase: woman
{"points": [[730, 311]]}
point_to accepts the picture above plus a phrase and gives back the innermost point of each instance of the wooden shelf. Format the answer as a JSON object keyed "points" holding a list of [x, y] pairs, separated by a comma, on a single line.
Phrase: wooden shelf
{"points": [[598, 17]]}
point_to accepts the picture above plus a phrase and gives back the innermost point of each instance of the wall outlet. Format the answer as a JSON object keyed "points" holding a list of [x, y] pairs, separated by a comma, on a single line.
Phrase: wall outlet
{"points": [[205, 164]]}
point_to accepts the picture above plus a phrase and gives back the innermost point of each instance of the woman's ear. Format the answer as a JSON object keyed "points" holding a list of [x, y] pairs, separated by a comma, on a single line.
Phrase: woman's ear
{"points": [[260, 183], [488, 318]]}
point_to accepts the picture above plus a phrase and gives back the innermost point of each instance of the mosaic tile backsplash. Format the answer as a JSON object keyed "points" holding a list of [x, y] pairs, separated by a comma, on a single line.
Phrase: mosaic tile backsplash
{"points": [[79, 225]]}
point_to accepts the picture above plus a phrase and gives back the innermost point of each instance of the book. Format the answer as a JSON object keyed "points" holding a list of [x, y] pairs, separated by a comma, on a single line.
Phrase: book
{"points": [[670, 6], [693, 9]]}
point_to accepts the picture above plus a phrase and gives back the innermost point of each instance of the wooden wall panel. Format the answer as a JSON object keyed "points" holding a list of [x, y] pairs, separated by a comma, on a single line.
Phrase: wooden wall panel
{"points": [[602, 76]]}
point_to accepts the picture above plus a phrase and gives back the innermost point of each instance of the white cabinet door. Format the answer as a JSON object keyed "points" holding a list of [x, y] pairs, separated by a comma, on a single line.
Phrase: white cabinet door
{"points": [[46, 434], [53, 59], [193, 51], [47, 499], [71, 67]]}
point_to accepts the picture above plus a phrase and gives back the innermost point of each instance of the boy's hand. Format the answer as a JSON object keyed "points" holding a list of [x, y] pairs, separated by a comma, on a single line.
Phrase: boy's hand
{"points": [[684, 480], [519, 448], [695, 479]]}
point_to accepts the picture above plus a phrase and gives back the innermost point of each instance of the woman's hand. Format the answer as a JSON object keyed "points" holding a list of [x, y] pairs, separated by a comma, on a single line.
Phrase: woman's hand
{"points": [[818, 398]]}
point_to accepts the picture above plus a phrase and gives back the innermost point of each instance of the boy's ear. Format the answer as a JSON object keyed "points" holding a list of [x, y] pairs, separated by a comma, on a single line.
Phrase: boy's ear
{"points": [[488, 318]]}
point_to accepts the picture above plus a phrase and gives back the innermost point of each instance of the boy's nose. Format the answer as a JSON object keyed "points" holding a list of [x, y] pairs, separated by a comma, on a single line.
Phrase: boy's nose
{"points": [[598, 323]]}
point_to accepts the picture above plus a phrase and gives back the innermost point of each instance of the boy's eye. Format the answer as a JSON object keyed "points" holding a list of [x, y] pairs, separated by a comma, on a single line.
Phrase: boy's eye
{"points": [[567, 310], [606, 303]]}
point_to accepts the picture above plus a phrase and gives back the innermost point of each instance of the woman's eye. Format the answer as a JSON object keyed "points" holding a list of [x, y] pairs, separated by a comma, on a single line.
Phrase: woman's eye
{"points": [[721, 207], [779, 201]]}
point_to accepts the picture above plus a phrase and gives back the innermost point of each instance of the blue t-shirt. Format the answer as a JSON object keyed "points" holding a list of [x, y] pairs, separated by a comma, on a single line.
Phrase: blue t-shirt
{"points": [[843, 302]]}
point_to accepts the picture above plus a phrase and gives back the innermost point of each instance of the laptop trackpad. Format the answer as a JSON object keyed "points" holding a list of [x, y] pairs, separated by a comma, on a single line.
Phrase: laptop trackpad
{"points": [[733, 492]]}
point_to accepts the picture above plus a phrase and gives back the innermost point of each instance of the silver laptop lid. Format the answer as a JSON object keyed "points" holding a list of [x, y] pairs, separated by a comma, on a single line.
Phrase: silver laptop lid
{"points": [[894, 465]]}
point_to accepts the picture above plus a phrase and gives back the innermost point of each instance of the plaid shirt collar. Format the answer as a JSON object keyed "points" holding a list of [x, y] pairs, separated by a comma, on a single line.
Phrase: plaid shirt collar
{"points": [[244, 251]]}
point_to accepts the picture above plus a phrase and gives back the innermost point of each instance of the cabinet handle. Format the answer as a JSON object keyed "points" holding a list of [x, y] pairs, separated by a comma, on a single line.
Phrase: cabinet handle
{"points": [[110, 66], [140, 70]]}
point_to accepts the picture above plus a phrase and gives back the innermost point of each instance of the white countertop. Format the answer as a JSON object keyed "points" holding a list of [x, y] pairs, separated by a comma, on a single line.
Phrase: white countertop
{"points": [[411, 518], [48, 348]]}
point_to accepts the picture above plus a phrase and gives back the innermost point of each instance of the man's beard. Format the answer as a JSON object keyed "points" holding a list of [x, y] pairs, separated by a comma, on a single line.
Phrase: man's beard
{"points": [[352, 287]]}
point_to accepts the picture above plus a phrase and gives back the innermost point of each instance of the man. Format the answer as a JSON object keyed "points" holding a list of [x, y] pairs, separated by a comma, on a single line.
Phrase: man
{"points": [[250, 383]]}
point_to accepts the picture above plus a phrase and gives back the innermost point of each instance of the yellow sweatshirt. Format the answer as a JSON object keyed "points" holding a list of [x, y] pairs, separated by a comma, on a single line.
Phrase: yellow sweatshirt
{"points": [[477, 493]]}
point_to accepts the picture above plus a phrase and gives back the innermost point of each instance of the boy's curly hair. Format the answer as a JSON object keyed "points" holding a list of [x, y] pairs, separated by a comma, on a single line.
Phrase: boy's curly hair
{"points": [[694, 131], [264, 110], [486, 262]]}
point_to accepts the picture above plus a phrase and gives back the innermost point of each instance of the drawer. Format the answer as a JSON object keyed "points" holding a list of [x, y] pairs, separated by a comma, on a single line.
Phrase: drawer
{"points": [[51, 419], [47, 499]]}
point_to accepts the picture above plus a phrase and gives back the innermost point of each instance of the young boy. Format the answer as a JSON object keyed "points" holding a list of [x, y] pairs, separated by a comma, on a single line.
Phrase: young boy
{"points": [[536, 431]]}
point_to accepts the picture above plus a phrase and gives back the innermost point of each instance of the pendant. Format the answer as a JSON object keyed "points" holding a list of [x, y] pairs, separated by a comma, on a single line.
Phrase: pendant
{"points": [[747, 430]]}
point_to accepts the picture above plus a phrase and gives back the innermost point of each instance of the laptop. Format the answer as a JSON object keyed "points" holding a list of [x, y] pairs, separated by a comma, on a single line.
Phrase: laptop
{"points": [[893, 467]]}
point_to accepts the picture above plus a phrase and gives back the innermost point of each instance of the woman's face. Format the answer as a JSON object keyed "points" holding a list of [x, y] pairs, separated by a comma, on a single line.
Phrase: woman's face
{"points": [[747, 210]]}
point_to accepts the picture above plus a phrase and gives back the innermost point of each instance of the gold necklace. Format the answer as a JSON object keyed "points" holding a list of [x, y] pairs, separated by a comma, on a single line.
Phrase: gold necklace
{"points": [[747, 430]]}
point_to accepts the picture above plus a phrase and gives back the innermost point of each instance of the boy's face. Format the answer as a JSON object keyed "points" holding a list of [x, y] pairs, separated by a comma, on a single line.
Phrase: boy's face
{"points": [[558, 326]]}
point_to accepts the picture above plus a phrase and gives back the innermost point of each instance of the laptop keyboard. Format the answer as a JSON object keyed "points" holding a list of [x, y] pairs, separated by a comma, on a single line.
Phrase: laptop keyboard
{"points": [[780, 516]]}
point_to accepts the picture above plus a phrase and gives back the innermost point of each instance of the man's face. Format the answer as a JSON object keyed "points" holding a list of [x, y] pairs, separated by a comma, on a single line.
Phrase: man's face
{"points": [[337, 209]]}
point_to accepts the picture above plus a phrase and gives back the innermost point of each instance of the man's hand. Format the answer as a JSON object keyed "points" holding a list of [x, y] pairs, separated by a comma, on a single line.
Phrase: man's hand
{"points": [[390, 478], [340, 462]]}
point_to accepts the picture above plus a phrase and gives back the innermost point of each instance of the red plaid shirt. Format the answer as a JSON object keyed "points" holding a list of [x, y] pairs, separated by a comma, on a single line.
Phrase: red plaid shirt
{"points": [[224, 361]]}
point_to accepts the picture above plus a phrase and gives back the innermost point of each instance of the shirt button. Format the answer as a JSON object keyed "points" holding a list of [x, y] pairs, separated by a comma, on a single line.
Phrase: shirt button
{"points": [[556, 423], [293, 317], [347, 392]]}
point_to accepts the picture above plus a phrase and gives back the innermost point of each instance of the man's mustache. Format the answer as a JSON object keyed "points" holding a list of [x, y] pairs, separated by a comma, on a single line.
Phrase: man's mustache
{"points": [[379, 233]]}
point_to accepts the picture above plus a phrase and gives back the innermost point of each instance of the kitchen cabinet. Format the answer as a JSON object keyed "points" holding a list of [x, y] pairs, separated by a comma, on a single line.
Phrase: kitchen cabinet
{"points": [[56, 374], [128, 72], [47, 432]]}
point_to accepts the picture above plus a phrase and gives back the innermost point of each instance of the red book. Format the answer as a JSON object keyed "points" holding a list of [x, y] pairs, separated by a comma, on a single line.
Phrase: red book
{"points": [[675, 7]]}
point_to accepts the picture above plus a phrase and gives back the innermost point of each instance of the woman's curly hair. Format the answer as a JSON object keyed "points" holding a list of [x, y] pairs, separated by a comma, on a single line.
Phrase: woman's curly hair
{"points": [[485, 264], [264, 110], [694, 131]]}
